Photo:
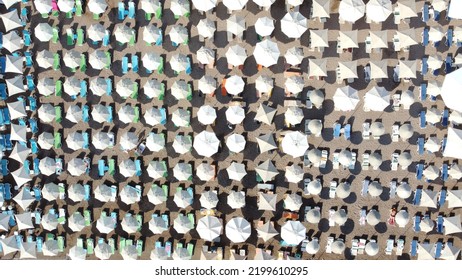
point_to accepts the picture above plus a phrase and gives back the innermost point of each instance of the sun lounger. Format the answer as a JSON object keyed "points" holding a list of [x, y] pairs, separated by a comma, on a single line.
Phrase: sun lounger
{"points": [[362, 217], [347, 132], [420, 145], [439, 224], [330, 240], [365, 187], [83, 88], [395, 133], [337, 128], [438, 248], [59, 166], [417, 220], [366, 131], [135, 63], [417, 196], [444, 172], [413, 251], [425, 13], [394, 161], [168, 248], [131, 9], [399, 247], [87, 217], [90, 246], [423, 92], [101, 167], [365, 162], [109, 119], [121, 10], [26, 37], [425, 37], [106, 38], [390, 245], [423, 120], [424, 66], [113, 194], [57, 140], [419, 171], [445, 118], [125, 65], [59, 88], [442, 197], [332, 189], [353, 161], [87, 192], [138, 167], [335, 162], [36, 166]]}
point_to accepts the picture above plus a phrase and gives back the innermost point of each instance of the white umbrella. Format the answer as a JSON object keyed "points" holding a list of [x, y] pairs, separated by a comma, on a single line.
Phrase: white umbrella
{"points": [[266, 142], [155, 142], [105, 224], [12, 42], [150, 6], [373, 217], [406, 131], [264, 3], [129, 224], [19, 153], [46, 113], [157, 225], [182, 224], [452, 225], [125, 87], [205, 171], [432, 144], [153, 88], [182, 171], [66, 6], [264, 26], [338, 247], [74, 114], [127, 168], [235, 5], [378, 10], [96, 32], [98, 59], [123, 33], [206, 28], [49, 222], [407, 69], [294, 55], [156, 169], [97, 6], [264, 83], [346, 98], [238, 230], [76, 222], [15, 85], [28, 250], [24, 198], [235, 143], [180, 89], [152, 34], [130, 195], [372, 248], [126, 114], [236, 55], [72, 86], [181, 117], [294, 24], [98, 86], [293, 232], [209, 228], [402, 218], [159, 254], [72, 59], [449, 252], [319, 38], [180, 7], [103, 193], [204, 5], [128, 141], [235, 114], [267, 201], [47, 166], [314, 187], [9, 245], [294, 115], [178, 34], [152, 61], [313, 216], [351, 10], [43, 32], [236, 25], [206, 143], [267, 231], [21, 176], [50, 248], [182, 198], [43, 6], [182, 144], [266, 53], [154, 116], [206, 114], [340, 217], [209, 199], [343, 190], [101, 140], [76, 192], [265, 114], [103, 251], [377, 99], [293, 202], [266, 170], [181, 254], [205, 55], [75, 140], [295, 144], [375, 189], [294, 173], [130, 252], [18, 132], [317, 67], [236, 171], [236, 199], [294, 84], [14, 64]]}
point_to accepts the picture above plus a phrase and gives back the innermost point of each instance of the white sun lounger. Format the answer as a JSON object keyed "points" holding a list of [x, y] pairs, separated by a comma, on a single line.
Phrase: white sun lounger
{"points": [[306, 181], [332, 189], [395, 133], [362, 217], [390, 245], [331, 217], [353, 161], [393, 189], [396, 101], [354, 247], [335, 163], [330, 240], [324, 155], [366, 130], [394, 161], [307, 130], [365, 163], [361, 246], [365, 187], [399, 247]]}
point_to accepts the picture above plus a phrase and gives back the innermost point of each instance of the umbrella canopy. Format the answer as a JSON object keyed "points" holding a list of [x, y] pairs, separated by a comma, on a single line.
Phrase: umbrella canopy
{"points": [[293, 232], [264, 3], [345, 157], [312, 247], [351, 10], [375, 189], [105, 224], [407, 98], [205, 172], [18, 132], [180, 89], [343, 190], [103, 251], [21, 176], [127, 168], [152, 34], [372, 248], [236, 55], [427, 225], [19, 153], [293, 115], [454, 198], [236, 199], [77, 166], [98, 59], [75, 140], [66, 6], [319, 38], [407, 38], [434, 62], [47, 166], [234, 85], [72, 86], [47, 113], [235, 114], [407, 9], [206, 143], [74, 114], [157, 225], [50, 248], [294, 84], [28, 250], [348, 69], [9, 245], [182, 224], [293, 202], [129, 224], [316, 97], [182, 199], [406, 131], [14, 64], [264, 83], [181, 117], [209, 199], [340, 217], [338, 247], [236, 171], [206, 28], [15, 86], [150, 6], [43, 32], [128, 141], [407, 69], [377, 99], [96, 32], [404, 190], [294, 173], [206, 114], [317, 67], [130, 195], [182, 144], [204, 5], [126, 114], [455, 171], [266, 170], [235, 143], [264, 26], [72, 60], [130, 252], [267, 201], [49, 222], [101, 140], [156, 195], [153, 116], [235, 5], [267, 231], [378, 10], [315, 127], [379, 69], [313, 216], [314, 187], [295, 144], [266, 53], [181, 254], [178, 34], [12, 42], [449, 252], [294, 24], [180, 7], [97, 6], [24, 198], [209, 228], [153, 88], [76, 222], [98, 86], [43, 6], [346, 98], [375, 160], [76, 192], [377, 129], [206, 55], [155, 142], [432, 145], [266, 142], [103, 193], [125, 87], [402, 218], [433, 115], [295, 55], [238, 230], [123, 33], [373, 217], [207, 84], [452, 224], [182, 171]]}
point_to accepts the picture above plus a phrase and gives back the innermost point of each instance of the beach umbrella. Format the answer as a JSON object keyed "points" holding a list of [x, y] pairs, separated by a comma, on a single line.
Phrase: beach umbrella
{"points": [[378, 39], [182, 144], [348, 69], [452, 225], [128, 141], [180, 7], [293, 232], [343, 190], [178, 34], [321, 9], [293, 115], [129, 252], [267, 231], [425, 251], [105, 224], [236, 171], [432, 144], [407, 68], [349, 39], [151, 35], [209, 199], [312, 247], [156, 194], [28, 250], [14, 64], [427, 225], [76, 192], [45, 140], [129, 224], [18, 133], [378, 10], [452, 81], [157, 169], [433, 115], [340, 217], [182, 171], [265, 114], [157, 225], [235, 5], [406, 131], [267, 201], [206, 143], [101, 140], [179, 62], [434, 88], [264, 3], [235, 114], [98, 86], [294, 55], [402, 218], [235, 25], [264, 83], [266, 142], [407, 98], [130, 195], [103, 251], [126, 114], [266, 53], [72, 59], [373, 217], [205, 55], [21, 176], [209, 228], [9, 245], [319, 38], [314, 187], [153, 88], [404, 190], [47, 166], [123, 33], [338, 247], [11, 20], [182, 224], [159, 253], [205, 172], [377, 99], [150, 6], [351, 10], [238, 230], [16, 109], [204, 5], [294, 24], [45, 60], [293, 202], [43, 32], [266, 170], [51, 191], [127, 168], [181, 117], [103, 193], [76, 222], [375, 189], [449, 252], [19, 153], [97, 6], [236, 199], [15, 86], [12, 42], [98, 59], [435, 34], [155, 142], [313, 216], [315, 127], [345, 157], [294, 173], [49, 222], [72, 86], [154, 116], [375, 160], [236, 55], [316, 97], [181, 254], [379, 69], [295, 144], [407, 9], [346, 98], [372, 248], [434, 62], [66, 6], [294, 84], [183, 198], [180, 89], [235, 143], [43, 6], [206, 114], [406, 38], [74, 114], [125, 87], [50, 248], [377, 129], [74, 141], [455, 171], [405, 159], [24, 198], [264, 26], [206, 28], [96, 32]]}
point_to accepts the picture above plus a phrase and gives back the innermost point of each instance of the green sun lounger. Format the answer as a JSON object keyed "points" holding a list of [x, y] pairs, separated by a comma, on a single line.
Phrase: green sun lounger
{"points": [[190, 248], [95, 16], [129, 242], [111, 165], [78, 8], [49, 236], [57, 141], [108, 63], [165, 188], [122, 244], [55, 38], [189, 97], [80, 37], [56, 62], [111, 243], [70, 37], [137, 115], [87, 216], [160, 69], [83, 63], [139, 219], [58, 114], [59, 88], [147, 16], [192, 218], [132, 41], [61, 244], [90, 246], [159, 13], [139, 247], [45, 15], [135, 91]]}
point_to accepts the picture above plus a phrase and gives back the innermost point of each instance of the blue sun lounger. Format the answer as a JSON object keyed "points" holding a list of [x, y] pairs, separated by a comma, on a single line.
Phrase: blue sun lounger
{"points": [[108, 86], [337, 128], [443, 144], [423, 92], [33, 146], [138, 167], [106, 38], [121, 11], [28, 57], [101, 167], [438, 248], [414, 248], [423, 119], [2, 64], [135, 61], [442, 199], [449, 37], [424, 66], [4, 167], [166, 220], [36, 166], [445, 118], [124, 65], [425, 13], [30, 82], [420, 145], [131, 9], [436, 15], [33, 125], [39, 244], [7, 191], [8, 144], [439, 224], [163, 114], [3, 93], [83, 88], [32, 103], [425, 37], [168, 248], [86, 140], [417, 220], [109, 119], [448, 64], [37, 193], [85, 113], [87, 192], [347, 132], [419, 171], [26, 37], [444, 172]]}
